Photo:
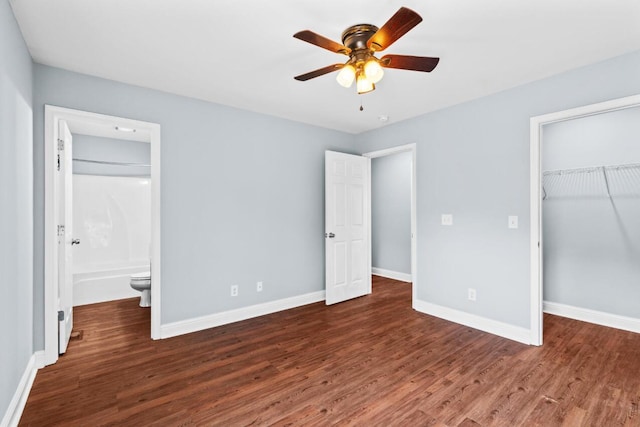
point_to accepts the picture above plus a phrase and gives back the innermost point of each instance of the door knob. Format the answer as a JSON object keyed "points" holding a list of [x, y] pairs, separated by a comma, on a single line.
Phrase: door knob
{"points": [[329, 235], [75, 242]]}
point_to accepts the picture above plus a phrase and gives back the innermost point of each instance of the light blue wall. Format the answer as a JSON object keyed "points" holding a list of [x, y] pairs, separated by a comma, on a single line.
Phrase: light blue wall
{"points": [[473, 162], [242, 195], [592, 243], [113, 150], [391, 212], [16, 206], [611, 138]]}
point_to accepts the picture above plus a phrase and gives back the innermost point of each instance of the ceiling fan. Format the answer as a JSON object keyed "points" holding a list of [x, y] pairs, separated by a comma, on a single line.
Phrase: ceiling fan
{"points": [[360, 43]]}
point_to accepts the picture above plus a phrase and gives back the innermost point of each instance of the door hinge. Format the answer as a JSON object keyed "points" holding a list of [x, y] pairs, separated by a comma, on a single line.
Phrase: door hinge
{"points": [[60, 148], [60, 316], [60, 230]]}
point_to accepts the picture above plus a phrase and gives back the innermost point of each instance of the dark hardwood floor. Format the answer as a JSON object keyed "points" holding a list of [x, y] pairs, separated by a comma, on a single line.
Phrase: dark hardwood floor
{"points": [[369, 361]]}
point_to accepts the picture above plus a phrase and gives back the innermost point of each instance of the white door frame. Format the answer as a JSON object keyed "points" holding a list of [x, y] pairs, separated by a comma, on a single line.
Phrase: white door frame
{"points": [[414, 232], [537, 123], [51, 117]]}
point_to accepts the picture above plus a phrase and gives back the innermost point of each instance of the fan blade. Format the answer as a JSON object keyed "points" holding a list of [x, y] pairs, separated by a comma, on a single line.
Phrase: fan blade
{"points": [[323, 42], [396, 27], [319, 72], [405, 62]]}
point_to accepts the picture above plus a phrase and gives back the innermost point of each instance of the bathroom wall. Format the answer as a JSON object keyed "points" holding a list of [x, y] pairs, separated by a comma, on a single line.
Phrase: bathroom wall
{"points": [[592, 242], [391, 212], [242, 195], [114, 150], [473, 163], [16, 210]]}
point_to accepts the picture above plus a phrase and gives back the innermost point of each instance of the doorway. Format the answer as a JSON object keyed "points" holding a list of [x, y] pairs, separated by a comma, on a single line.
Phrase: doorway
{"points": [[537, 194], [409, 149], [98, 125]]}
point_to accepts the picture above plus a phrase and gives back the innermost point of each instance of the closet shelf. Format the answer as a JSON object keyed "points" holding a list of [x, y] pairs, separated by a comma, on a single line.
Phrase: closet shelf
{"points": [[592, 182]]}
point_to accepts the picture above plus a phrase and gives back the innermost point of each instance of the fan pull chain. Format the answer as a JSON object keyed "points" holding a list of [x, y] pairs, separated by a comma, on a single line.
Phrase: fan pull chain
{"points": [[361, 107]]}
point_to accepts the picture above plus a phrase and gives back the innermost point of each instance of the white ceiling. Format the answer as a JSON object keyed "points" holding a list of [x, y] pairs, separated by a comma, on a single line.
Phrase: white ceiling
{"points": [[241, 53]]}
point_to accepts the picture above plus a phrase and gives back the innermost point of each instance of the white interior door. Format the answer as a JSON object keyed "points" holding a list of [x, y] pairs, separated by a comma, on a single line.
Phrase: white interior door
{"points": [[347, 226], [65, 236]]}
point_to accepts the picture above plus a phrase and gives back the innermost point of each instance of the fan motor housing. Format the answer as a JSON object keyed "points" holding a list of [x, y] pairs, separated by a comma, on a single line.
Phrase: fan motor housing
{"points": [[356, 36]]}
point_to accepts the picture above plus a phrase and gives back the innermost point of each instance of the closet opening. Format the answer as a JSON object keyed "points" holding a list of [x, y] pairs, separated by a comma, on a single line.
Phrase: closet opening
{"points": [[585, 201]]}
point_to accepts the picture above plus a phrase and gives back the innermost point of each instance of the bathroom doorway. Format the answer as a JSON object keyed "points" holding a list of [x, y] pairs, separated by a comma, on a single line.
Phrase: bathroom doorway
{"points": [[115, 155], [111, 216]]}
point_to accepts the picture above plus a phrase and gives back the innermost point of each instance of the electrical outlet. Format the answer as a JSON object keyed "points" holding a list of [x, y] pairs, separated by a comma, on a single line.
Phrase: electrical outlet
{"points": [[447, 219], [234, 290], [471, 294], [259, 286], [513, 221]]}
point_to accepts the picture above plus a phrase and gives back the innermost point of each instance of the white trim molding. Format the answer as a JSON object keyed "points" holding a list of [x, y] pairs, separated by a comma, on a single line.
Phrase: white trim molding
{"points": [[231, 316], [592, 316], [505, 330], [535, 196], [12, 416], [389, 274]]}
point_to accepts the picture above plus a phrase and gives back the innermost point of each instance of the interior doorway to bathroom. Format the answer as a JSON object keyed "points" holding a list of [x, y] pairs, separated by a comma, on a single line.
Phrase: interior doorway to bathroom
{"points": [[135, 175]]}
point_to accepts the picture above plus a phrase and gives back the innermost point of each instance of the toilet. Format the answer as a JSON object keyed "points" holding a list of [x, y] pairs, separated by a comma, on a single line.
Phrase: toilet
{"points": [[142, 282]]}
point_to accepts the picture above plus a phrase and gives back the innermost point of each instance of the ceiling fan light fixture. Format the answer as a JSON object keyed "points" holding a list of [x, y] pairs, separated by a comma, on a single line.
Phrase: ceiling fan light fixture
{"points": [[361, 42], [346, 76], [363, 84], [373, 70]]}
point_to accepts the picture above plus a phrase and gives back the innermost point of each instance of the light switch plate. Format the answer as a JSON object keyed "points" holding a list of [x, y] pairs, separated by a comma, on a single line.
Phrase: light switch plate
{"points": [[447, 219], [513, 221]]}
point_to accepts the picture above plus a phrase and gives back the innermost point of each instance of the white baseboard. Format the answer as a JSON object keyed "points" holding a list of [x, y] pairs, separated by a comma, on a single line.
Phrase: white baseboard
{"points": [[16, 406], [395, 275], [515, 333], [39, 359], [592, 316], [210, 321]]}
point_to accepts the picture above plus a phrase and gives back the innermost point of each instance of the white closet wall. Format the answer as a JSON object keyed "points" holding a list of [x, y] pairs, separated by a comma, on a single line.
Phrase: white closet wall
{"points": [[591, 213]]}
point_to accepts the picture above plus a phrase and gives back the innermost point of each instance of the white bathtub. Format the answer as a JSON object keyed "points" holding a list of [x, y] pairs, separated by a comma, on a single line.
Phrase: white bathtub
{"points": [[105, 285]]}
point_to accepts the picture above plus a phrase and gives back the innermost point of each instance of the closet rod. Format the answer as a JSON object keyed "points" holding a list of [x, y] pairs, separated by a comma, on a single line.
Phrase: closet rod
{"points": [[105, 162]]}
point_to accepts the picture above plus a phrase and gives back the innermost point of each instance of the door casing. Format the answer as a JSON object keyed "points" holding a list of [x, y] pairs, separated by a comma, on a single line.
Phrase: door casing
{"points": [[53, 115], [65, 236]]}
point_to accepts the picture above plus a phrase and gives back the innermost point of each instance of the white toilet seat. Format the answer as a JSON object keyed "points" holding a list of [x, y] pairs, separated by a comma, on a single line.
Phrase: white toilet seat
{"points": [[141, 276]]}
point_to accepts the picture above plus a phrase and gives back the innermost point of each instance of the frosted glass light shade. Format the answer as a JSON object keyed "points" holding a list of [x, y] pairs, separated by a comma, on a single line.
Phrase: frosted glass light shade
{"points": [[373, 71], [363, 84], [346, 76]]}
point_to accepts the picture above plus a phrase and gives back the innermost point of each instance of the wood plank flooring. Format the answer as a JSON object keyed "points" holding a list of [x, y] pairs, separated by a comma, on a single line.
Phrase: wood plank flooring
{"points": [[372, 361]]}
